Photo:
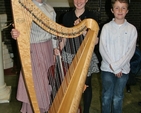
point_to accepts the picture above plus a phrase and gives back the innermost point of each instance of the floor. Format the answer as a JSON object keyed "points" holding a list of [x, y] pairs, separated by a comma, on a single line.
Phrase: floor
{"points": [[130, 104], [13, 106]]}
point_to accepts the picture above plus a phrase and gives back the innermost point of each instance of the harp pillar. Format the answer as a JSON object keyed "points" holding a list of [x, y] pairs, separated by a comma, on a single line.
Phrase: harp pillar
{"points": [[5, 91]]}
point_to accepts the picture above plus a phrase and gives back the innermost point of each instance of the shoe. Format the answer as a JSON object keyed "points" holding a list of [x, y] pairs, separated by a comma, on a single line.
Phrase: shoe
{"points": [[139, 103], [128, 89]]}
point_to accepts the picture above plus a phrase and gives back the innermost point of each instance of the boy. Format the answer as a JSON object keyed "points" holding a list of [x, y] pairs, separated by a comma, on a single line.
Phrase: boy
{"points": [[117, 46]]}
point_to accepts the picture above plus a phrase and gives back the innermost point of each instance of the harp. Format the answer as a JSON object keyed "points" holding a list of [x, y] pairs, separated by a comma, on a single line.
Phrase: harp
{"points": [[24, 12]]}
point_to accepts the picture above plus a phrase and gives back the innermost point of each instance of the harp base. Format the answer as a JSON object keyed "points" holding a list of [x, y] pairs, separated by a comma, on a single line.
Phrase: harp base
{"points": [[5, 94]]}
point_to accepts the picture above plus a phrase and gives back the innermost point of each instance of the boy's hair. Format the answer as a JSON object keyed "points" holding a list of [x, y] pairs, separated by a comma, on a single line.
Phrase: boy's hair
{"points": [[121, 1]]}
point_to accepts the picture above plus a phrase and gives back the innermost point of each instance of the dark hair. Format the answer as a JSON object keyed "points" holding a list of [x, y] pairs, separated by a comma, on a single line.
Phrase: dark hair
{"points": [[121, 1]]}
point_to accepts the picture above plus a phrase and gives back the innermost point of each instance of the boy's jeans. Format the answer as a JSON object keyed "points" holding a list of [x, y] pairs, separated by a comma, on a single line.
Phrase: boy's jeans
{"points": [[112, 92]]}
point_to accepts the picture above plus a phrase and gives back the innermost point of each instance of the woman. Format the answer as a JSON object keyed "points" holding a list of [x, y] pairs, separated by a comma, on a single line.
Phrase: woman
{"points": [[42, 45], [71, 19]]}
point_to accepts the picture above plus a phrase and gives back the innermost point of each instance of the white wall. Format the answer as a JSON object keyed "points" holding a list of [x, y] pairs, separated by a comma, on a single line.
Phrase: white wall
{"points": [[60, 3]]}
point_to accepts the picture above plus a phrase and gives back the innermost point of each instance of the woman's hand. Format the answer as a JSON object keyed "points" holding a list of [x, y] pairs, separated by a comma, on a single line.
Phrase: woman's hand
{"points": [[76, 22], [62, 43], [15, 33], [85, 87], [96, 42], [56, 52]]}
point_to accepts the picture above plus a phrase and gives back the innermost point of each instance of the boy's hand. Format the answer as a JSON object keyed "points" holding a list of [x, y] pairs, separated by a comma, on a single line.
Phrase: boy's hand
{"points": [[118, 74]]}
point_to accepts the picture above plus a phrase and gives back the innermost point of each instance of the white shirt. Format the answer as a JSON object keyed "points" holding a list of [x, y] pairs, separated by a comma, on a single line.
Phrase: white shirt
{"points": [[37, 33], [117, 46]]}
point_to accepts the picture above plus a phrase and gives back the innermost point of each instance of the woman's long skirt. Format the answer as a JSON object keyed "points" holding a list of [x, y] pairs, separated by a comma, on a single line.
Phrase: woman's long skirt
{"points": [[41, 60]]}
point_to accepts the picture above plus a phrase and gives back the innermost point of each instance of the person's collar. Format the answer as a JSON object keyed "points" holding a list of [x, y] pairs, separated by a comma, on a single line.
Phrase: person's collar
{"points": [[113, 20]]}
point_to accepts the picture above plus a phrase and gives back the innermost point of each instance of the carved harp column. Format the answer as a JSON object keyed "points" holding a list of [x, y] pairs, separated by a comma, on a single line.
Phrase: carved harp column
{"points": [[24, 12]]}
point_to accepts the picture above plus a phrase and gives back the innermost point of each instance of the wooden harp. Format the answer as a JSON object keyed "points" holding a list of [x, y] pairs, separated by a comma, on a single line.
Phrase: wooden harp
{"points": [[24, 12]]}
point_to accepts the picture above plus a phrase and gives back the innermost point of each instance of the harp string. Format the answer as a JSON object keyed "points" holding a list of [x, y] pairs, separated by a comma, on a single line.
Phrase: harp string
{"points": [[53, 77], [71, 46], [71, 70], [40, 50]]}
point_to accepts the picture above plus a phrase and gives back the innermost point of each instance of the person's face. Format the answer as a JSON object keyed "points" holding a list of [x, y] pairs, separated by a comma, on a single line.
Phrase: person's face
{"points": [[120, 10], [80, 4]]}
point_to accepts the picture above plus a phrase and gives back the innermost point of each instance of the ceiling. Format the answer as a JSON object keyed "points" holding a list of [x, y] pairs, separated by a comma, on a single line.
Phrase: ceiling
{"points": [[60, 3]]}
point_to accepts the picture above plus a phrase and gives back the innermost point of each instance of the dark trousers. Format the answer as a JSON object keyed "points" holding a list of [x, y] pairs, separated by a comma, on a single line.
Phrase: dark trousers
{"points": [[87, 95]]}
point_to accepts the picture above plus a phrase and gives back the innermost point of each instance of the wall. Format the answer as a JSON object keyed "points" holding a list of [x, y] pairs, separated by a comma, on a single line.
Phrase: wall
{"points": [[101, 7], [60, 3], [134, 15]]}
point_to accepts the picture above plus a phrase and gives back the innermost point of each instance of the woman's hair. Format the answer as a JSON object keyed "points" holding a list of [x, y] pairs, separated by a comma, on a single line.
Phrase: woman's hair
{"points": [[121, 1]]}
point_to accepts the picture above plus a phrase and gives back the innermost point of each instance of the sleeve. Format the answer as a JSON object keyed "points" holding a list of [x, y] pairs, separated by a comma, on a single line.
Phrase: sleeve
{"points": [[127, 57], [103, 46]]}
